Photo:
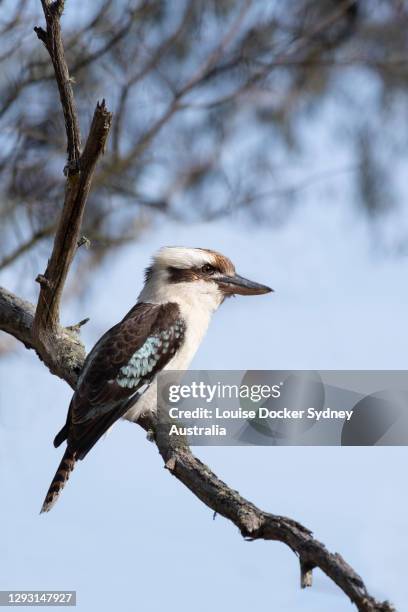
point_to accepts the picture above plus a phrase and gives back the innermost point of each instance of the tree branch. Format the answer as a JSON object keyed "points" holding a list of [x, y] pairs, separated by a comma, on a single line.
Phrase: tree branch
{"points": [[67, 234], [80, 171], [255, 524], [66, 361], [64, 352], [52, 39]]}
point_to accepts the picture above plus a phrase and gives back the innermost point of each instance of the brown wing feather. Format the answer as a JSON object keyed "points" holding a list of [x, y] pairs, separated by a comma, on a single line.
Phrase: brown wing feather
{"points": [[99, 399]]}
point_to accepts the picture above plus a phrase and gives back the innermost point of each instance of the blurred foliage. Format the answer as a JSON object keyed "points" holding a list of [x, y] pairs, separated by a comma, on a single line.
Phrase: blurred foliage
{"points": [[204, 94]]}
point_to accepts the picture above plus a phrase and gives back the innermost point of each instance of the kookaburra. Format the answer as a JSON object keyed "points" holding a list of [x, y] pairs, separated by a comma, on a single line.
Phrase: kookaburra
{"points": [[183, 287]]}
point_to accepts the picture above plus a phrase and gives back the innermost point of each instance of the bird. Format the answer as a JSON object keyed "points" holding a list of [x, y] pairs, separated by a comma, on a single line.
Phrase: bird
{"points": [[183, 288]]}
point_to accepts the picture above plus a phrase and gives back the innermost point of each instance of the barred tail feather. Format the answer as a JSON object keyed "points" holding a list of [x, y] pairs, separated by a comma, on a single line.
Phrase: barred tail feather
{"points": [[60, 479]]}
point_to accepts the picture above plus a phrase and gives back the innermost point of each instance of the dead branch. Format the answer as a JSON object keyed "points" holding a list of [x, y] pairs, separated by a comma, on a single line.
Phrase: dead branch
{"points": [[52, 39], [63, 354], [80, 170], [255, 524], [68, 230]]}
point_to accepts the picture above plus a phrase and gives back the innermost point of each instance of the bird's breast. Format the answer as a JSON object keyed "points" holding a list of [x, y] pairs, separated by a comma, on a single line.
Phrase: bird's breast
{"points": [[196, 325]]}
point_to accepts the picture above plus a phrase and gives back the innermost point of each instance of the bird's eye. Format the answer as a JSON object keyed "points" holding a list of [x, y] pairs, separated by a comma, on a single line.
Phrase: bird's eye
{"points": [[208, 269]]}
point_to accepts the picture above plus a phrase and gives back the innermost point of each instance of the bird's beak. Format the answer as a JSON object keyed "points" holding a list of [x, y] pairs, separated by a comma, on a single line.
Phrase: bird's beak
{"points": [[236, 284]]}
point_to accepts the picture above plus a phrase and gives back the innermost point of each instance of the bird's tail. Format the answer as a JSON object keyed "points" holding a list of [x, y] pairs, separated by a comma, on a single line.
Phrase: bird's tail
{"points": [[60, 479]]}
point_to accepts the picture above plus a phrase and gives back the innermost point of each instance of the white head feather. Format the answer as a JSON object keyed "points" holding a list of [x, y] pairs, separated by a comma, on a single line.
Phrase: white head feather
{"points": [[182, 257]]}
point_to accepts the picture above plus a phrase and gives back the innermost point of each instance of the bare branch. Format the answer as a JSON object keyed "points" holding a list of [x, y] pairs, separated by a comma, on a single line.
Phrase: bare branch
{"points": [[16, 316], [256, 524], [52, 39], [79, 175], [67, 235], [64, 354]]}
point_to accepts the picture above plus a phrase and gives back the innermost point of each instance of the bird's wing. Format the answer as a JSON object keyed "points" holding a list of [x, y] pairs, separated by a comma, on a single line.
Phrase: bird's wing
{"points": [[120, 366]]}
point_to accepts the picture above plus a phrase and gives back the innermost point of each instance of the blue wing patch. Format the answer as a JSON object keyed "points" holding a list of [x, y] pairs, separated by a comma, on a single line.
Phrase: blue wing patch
{"points": [[144, 360]]}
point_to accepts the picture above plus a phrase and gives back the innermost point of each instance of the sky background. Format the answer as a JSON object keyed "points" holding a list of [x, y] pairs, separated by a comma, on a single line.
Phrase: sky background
{"points": [[127, 535]]}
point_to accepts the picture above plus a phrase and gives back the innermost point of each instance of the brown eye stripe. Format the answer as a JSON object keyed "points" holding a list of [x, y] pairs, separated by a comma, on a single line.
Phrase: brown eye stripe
{"points": [[181, 275]]}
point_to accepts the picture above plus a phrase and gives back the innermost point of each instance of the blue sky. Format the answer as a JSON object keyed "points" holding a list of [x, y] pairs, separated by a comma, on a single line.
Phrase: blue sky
{"points": [[125, 534]]}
